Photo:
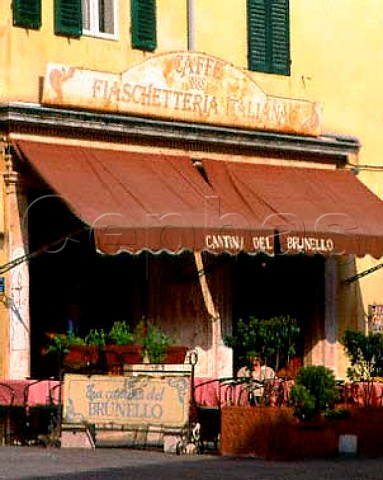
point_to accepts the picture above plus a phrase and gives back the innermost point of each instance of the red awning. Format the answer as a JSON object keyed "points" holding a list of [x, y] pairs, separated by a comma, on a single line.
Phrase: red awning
{"points": [[135, 201], [313, 210]]}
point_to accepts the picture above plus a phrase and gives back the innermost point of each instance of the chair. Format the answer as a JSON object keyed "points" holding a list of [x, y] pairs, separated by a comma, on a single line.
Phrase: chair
{"points": [[208, 398], [363, 392], [7, 398], [42, 412]]}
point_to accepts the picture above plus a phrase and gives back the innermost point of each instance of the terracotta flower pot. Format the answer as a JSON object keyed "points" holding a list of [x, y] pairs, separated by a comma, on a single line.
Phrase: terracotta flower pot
{"points": [[81, 356], [176, 354], [115, 356]]}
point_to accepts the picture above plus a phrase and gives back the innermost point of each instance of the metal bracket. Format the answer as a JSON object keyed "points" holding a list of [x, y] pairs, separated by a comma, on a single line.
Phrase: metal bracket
{"points": [[356, 277]]}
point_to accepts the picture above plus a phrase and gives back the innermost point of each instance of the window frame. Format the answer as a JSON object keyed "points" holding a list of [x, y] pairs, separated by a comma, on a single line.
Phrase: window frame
{"points": [[94, 31]]}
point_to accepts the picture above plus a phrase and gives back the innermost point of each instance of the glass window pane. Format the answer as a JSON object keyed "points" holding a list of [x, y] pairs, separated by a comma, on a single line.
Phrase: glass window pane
{"points": [[106, 16], [86, 14]]}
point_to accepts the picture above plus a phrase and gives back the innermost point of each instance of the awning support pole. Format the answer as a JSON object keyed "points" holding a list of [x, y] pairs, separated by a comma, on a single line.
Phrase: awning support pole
{"points": [[211, 309], [359, 275]]}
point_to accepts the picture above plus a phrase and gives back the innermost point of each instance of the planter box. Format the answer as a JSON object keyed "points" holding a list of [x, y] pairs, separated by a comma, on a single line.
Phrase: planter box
{"points": [[176, 354], [367, 424], [80, 357], [273, 434], [115, 356]]}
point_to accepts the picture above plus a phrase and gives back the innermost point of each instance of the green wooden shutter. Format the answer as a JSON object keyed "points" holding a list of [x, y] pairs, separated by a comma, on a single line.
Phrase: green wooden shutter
{"points": [[268, 36], [144, 25], [27, 13], [68, 18], [257, 35], [280, 36]]}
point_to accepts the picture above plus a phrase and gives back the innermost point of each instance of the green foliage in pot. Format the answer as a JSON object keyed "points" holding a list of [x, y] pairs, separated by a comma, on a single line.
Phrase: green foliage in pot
{"points": [[96, 337], [365, 353], [59, 343], [274, 340], [303, 402], [338, 413], [314, 391], [153, 341], [58, 346], [121, 334]]}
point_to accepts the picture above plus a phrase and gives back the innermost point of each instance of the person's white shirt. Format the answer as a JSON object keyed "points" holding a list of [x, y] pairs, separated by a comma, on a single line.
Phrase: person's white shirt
{"points": [[263, 373]]}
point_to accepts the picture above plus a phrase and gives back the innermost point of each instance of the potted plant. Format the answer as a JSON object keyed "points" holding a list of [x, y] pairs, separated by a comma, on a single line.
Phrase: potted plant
{"points": [[153, 341], [109, 351], [299, 431], [120, 347], [121, 334], [66, 351], [365, 353], [73, 353], [314, 392]]}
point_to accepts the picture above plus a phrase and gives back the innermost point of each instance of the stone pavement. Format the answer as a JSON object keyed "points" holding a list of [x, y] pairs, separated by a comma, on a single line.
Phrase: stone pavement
{"points": [[112, 464]]}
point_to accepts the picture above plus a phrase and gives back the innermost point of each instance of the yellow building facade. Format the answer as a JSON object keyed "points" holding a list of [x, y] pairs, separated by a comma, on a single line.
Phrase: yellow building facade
{"points": [[334, 62]]}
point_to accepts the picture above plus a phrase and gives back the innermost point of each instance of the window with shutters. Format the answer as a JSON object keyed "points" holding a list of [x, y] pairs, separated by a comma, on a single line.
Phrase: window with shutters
{"points": [[268, 36], [68, 18], [100, 18], [144, 25], [27, 13]]}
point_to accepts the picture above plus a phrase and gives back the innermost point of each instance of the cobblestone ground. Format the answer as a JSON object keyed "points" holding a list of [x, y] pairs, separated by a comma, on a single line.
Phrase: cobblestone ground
{"points": [[113, 464]]}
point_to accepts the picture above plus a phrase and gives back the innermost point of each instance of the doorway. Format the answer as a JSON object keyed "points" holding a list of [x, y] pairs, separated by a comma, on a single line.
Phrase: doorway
{"points": [[265, 287]]}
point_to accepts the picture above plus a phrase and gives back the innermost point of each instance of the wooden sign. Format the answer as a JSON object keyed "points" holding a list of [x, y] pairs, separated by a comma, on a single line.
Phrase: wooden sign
{"points": [[185, 86], [129, 401]]}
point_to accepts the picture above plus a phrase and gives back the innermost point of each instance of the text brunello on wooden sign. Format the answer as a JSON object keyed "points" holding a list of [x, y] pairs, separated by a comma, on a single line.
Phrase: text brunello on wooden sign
{"points": [[130, 401], [186, 86]]}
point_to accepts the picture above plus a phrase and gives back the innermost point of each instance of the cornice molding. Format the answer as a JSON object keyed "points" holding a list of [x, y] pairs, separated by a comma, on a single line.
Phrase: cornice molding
{"points": [[25, 117]]}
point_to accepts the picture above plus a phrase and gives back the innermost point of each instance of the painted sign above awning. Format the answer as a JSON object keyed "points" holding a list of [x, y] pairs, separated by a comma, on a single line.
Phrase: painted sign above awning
{"points": [[184, 86]]}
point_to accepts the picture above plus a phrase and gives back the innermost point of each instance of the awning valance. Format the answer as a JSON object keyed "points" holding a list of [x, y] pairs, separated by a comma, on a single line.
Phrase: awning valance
{"points": [[135, 201], [313, 210]]}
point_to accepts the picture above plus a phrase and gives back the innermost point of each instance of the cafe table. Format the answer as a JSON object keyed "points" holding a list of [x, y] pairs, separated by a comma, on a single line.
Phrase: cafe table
{"points": [[21, 402]]}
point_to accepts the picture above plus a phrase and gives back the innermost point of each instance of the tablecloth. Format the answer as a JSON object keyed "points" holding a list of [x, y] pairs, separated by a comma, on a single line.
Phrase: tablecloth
{"points": [[364, 393], [30, 392]]}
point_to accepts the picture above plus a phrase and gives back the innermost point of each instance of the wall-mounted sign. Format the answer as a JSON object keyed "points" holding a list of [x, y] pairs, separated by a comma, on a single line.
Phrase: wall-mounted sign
{"points": [[184, 86], [375, 318], [129, 401]]}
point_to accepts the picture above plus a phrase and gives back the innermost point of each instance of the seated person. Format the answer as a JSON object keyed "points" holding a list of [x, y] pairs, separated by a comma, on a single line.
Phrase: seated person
{"points": [[256, 372]]}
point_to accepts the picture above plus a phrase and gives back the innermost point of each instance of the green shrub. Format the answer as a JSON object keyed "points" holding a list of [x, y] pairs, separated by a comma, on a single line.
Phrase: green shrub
{"points": [[338, 413], [303, 402], [314, 391], [365, 353]]}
